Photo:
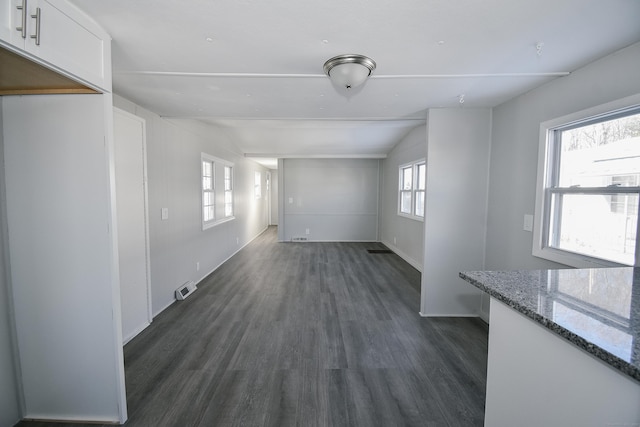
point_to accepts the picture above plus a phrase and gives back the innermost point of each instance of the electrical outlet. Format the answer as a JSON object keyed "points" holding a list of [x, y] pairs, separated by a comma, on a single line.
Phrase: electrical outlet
{"points": [[237, 240], [394, 241], [197, 266], [164, 214]]}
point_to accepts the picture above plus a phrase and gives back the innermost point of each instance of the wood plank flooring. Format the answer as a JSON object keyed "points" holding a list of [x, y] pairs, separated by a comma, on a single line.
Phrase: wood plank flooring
{"points": [[306, 334]]}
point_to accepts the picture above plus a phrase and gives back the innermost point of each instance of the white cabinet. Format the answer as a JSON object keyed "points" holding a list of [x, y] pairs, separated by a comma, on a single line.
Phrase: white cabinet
{"points": [[58, 35]]}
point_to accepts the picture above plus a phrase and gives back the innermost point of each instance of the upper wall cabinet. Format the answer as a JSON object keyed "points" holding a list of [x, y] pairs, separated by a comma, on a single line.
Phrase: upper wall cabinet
{"points": [[58, 35]]}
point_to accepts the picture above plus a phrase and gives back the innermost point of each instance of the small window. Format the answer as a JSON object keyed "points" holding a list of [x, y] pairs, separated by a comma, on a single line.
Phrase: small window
{"points": [[257, 185], [208, 191], [412, 188], [228, 191], [216, 174], [588, 191]]}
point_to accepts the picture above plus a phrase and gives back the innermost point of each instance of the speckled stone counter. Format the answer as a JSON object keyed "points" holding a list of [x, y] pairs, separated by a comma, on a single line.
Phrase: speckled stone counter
{"points": [[598, 310]]}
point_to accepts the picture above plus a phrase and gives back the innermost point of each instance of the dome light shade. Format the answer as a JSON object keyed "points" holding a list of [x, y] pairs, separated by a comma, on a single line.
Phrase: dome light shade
{"points": [[349, 71]]}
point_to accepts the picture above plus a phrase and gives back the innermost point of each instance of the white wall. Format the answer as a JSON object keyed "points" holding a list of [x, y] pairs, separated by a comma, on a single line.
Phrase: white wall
{"points": [[9, 404], [177, 244], [335, 199], [403, 235], [64, 281], [514, 151], [458, 146], [274, 197]]}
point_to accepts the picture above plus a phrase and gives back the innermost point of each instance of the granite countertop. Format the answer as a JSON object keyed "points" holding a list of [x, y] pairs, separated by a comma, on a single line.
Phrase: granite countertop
{"points": [[596, 309]]}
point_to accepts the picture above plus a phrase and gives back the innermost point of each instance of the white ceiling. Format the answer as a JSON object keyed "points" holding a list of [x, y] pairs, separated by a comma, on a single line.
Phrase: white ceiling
{"points": [[255, 66]]}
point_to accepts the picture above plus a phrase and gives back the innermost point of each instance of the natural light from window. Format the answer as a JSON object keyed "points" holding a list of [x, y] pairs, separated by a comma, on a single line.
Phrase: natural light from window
{"points": [[592, 189]]}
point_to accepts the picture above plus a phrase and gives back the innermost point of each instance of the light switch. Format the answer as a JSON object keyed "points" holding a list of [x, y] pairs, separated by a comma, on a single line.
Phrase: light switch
{"points": [[165, 214], [290, 200], [528, 222]]}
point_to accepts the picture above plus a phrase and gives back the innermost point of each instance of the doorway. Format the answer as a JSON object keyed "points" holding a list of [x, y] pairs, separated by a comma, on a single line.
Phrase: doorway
{"points": [[133, 224]]}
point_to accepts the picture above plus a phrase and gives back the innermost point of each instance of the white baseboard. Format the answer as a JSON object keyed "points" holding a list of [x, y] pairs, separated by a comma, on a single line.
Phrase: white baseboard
{"points": [[197, 282], [415, 264], [447, 315], [71, 419], [125, 340]]}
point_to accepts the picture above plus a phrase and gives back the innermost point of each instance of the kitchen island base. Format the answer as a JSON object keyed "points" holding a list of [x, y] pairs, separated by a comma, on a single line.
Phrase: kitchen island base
{"points": [[536, 378]]}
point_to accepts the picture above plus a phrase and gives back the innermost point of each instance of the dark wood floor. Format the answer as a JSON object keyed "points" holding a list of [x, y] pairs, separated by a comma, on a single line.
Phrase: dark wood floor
{"points": [[306, 334]]}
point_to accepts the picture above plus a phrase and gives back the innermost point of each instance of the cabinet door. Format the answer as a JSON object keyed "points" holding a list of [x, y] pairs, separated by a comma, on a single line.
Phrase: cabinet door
{"points": [[10, 19], [63, 36]]}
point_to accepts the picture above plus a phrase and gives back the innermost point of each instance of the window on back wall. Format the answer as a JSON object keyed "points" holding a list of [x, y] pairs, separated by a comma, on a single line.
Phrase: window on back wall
{"points": [[228, 191], [216, 173], [257, 185], [208, 191], [588, 189], [412, 187]]}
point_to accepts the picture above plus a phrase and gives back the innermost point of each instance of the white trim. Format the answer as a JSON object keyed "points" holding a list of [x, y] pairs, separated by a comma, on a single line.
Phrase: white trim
{"points": [[136, 331], [324, 76], [316, 156], [110, 146], [214, 223], [71, 419], [412, 262], [556, 255], [224, 163], [414, 174], [448, 315], [145, 183]]}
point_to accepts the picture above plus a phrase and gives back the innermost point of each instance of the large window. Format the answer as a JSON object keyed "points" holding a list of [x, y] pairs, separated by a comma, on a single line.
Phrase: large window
{"points": [[228, 191], [216, 174], [208, 191], [589, 183], [257, 184], [412, 186]]}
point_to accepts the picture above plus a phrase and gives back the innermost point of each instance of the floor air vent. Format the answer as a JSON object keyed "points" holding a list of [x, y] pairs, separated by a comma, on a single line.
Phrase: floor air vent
{"points": [[185, 290], [298, 239], [379, 251]]}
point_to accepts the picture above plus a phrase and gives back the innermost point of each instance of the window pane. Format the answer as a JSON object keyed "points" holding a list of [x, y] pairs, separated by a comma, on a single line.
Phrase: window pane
{"points": [[601, 154], [420, 203], [208, 198], [405, 202], [257, 184], [227, 178], [406, 178], [591, 225], [207, 183], [208, 213], [206, 168], [422, 175], [228, 209]]}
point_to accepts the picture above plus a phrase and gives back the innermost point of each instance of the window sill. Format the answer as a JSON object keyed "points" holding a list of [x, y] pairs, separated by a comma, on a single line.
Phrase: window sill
{"points": [[413, 217], [573, 259], [211, 224]]}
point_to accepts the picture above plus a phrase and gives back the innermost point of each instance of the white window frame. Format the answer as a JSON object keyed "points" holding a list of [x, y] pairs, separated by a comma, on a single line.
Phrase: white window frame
{"points": [[414, 189], [542, 214], [228, 191], [218, 181]]}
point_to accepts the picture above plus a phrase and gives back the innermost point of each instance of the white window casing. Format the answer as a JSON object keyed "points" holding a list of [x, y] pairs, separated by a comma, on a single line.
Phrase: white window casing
{"points": [[217, 201], [568, 197], [412, 189]]}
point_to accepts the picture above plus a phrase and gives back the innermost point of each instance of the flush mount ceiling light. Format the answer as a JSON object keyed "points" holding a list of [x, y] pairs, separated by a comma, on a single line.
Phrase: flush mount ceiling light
{"points": [[350, 70]]}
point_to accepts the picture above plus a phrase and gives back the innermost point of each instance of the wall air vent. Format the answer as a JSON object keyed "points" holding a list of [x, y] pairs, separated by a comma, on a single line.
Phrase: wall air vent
{"points": [[185, 290], [299, 239]]}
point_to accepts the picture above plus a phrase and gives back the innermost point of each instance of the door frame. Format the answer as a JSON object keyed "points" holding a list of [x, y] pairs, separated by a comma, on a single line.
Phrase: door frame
{"points": [[145, 185]]}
